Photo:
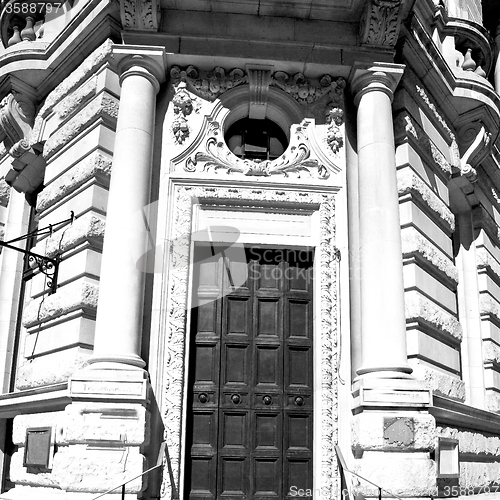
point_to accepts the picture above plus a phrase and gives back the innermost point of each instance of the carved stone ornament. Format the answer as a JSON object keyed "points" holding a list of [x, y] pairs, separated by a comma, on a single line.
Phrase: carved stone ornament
{"points": [[305, 92], [184, 104], [208, 85], [140, 14], [172, 369], [17, 114], [380, 24], [296, 159], [479, 148]]}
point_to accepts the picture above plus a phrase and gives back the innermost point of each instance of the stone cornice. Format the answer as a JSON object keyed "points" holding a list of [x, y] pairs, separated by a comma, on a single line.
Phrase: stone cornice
{"points": [[96, 21]]}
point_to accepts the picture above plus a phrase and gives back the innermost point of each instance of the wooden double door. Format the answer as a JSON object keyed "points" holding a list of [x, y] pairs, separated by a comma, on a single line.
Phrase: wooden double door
{"points": [[250, 406]]}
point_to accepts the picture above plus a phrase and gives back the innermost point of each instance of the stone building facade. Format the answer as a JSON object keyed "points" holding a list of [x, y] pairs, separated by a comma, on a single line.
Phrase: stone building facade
{"points": [[265, 234]]}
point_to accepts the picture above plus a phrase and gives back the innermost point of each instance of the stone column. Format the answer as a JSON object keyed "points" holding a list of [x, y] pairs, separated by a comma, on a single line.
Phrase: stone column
{"points": [[383, 324], [118, 334]]}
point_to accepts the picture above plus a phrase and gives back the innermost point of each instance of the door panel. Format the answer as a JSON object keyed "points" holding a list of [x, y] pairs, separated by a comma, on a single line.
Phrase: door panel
{"points": [[250, 422]]}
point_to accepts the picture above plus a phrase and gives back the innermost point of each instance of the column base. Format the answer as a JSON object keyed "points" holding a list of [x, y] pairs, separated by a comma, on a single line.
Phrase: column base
{"points": [[398, 393]]}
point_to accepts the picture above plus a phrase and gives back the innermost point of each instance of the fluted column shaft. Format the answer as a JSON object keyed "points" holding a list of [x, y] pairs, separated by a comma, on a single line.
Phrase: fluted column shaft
{"points": [[383, 325], [118, 336]]}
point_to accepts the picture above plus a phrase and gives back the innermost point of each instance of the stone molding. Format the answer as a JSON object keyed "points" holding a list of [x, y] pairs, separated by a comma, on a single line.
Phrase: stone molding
{"points": [[472, 442], [380, 23], [486, 261], [173, 371], [414, 242], [103, 107], [418, 308], [88, 227], [410, 182], [74, 81], [405, 127], [76, 295], [296, 160], [141, 15], [95, 166], [440, 383], [489, 307]]}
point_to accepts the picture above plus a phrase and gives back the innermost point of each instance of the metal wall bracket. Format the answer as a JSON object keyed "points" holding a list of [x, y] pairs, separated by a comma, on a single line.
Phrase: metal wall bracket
{"points": [[49, 266]]}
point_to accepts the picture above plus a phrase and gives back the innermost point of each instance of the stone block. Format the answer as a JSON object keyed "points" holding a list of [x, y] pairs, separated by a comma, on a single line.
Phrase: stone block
{"points": [[439, 382], [52, 368], [423, 346], [410, 183], [416, 278], [81, 294], [4, 192], [101, 423], [96, 165], [78, 468], [402, 474], [411, 215], [414, 242], [99, 138], [23, 422], [420, 309], [74, 331], [493, 401], [102, 107], [393, 431]]}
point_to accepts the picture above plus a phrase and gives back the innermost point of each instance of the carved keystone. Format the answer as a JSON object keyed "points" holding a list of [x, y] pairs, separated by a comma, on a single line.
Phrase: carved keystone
{"points": [[259, 78]]}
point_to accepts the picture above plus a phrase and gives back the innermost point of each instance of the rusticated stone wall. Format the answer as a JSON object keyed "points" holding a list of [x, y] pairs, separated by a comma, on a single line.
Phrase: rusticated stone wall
{"points": [[76, 123], [426, 151]]}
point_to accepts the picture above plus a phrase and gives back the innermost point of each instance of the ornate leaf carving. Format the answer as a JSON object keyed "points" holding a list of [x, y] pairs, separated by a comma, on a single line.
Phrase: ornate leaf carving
{"points": [[218, 157]]}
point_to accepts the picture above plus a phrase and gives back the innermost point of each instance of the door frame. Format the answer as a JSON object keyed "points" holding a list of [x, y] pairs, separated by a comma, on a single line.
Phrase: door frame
{"points": [[169, 368]]}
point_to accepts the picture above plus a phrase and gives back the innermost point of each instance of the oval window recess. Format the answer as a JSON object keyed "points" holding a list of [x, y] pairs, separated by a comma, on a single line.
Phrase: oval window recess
{"points": [[256, 140]]}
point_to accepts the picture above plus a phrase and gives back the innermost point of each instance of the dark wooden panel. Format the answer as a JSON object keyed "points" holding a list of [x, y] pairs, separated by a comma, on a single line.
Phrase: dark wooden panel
{"points": [[251, 380]]}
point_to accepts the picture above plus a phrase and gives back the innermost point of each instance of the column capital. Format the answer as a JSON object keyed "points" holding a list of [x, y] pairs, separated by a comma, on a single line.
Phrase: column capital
{"points": [[149, 62], [381, 77]]}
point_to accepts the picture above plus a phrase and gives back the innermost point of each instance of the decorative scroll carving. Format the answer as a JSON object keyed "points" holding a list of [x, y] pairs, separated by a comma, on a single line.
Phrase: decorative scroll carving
{"points": [[17, 114], [208, 85], [140, 14], [211, 85], [296, 158], [184, 104], [306, 92], [380, 24], [174, 368], [478, 149]]}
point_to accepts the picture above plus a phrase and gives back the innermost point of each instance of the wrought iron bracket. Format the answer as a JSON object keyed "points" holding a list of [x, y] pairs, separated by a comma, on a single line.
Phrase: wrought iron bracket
{"points": [[48, 266]]}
